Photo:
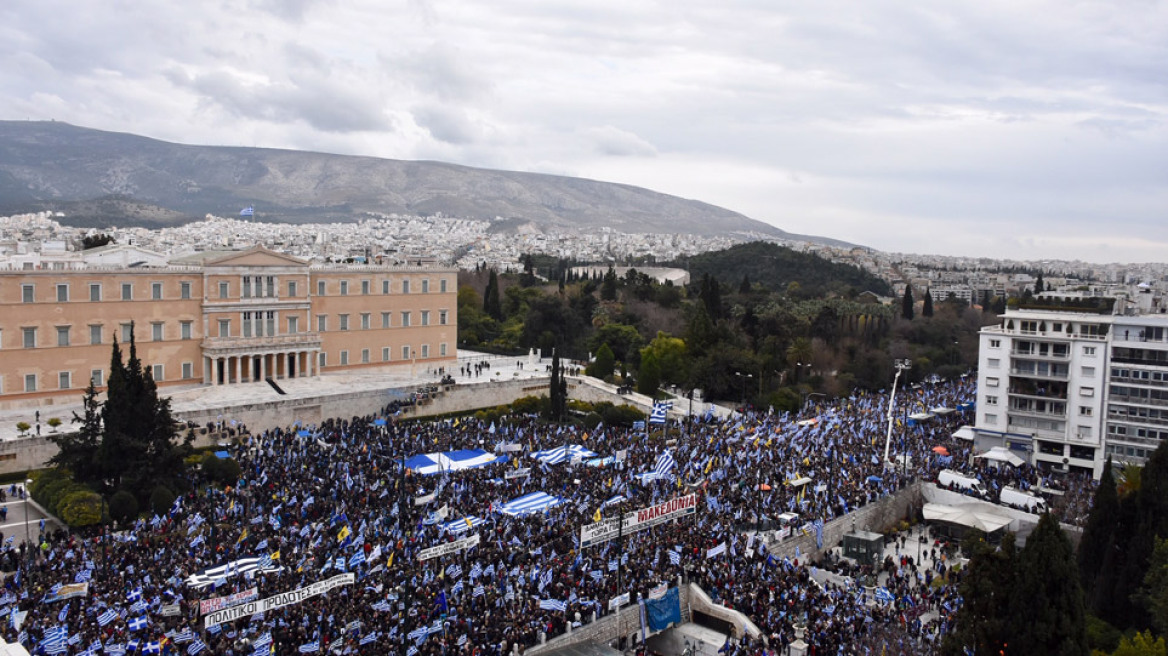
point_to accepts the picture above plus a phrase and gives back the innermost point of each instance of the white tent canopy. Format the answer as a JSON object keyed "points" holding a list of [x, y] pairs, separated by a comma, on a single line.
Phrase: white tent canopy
{"points": [[964, 433], [942, 410], [1002, 454], [966, 515], [920, 416]]}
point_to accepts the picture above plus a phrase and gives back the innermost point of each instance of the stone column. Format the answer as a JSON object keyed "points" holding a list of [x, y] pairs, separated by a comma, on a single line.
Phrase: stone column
{"points": [[263, 365], [238, 369]]}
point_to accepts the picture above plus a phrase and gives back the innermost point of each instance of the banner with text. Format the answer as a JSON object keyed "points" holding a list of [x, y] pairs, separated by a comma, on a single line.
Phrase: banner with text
{"points": [[281, 600], [638, 520], [449, 547], [219, 603]]}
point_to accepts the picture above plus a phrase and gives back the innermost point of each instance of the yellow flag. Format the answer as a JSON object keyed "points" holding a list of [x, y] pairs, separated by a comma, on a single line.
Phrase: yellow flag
{"points": [[242, 536], [468, 523], [596, 517], [389, 563], [709, 465], [456, 422], [276, 556], [345, 532]]}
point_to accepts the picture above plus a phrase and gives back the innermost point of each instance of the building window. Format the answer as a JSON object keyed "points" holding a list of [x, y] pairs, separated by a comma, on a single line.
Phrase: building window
{"points": [[992, 381], [246, 324], [156, 331], [991, 400], [321, 323], [1083, 432], [425, 351], [156, 291], [385, 286], [271, 321], [97, 378], [62, 293], [64, 380], [184, 290], [365, 287], [291, 289], [1088, 350], [385, 354], [223, 290], [405, 353], [426, 286], [991, 420], [29, 337], [1086, 411], [185, 328], [1088, 372], [385, 319], [405, 286], [993, 363], [405, 322], [95, 335], [188, 371], [62, 335], [28, 293], [157, 373], [127, 291], [225, 327], [30, 382], [344, 322], [425, 317], [270, 286], [1086, 391], [95, 292], [365, 321], [293, 325], [995, 343], [344, 288], [442, 349], [323, 359], [365, 356], [127, 331], [441, 317], [442, 285], [320, 288]]}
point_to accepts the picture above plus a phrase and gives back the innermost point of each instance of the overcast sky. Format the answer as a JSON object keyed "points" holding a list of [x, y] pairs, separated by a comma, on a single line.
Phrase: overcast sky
{"points": [[981, 127]]}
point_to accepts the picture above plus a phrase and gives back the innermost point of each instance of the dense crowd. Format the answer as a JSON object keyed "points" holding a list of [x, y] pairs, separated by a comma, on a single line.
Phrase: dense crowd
{"points": [[315, 501]]}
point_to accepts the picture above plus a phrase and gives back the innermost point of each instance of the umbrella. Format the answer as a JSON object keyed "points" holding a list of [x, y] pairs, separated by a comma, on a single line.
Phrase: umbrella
{"points": [[940, 450]]}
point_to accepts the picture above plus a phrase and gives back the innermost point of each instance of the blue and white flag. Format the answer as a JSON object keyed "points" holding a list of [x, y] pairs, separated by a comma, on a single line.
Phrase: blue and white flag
{"points": [[107, 617], [137, 623], [660, 412], [716, 551], [247, 211], [310, 648], [674, 557], [194, 648], [553, 604]]}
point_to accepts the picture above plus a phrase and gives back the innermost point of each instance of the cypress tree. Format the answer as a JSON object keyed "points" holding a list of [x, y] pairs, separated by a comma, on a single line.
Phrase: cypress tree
{"points": [[77, 451], [927, 310], [608, 287], [491, 304], [906, 306], [649, 376], [1046, 599], [983, 621], [1100, 528]]}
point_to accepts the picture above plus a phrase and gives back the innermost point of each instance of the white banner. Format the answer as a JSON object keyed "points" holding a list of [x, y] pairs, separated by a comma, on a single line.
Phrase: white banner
{"points": [[618, 601], [279, 600], [449, 547], [424, 499], [508, 448], [638, 520], [517, 473]]}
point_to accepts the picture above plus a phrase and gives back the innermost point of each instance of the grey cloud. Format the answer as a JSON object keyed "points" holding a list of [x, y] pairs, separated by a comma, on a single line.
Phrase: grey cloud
{"points": [[609, 140], [450, 125]]}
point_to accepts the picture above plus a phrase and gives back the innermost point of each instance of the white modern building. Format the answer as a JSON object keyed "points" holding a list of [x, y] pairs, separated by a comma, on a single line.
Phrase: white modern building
{"points": [[1066, 387]]}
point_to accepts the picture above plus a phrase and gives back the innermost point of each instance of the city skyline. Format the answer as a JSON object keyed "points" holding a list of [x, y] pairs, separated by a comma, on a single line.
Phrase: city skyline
{"points": [[1021, 131]]}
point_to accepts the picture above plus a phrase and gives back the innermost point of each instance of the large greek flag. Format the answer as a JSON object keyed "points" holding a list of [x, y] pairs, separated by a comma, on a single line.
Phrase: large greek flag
{"points": [[242, 566], [660, 412]]}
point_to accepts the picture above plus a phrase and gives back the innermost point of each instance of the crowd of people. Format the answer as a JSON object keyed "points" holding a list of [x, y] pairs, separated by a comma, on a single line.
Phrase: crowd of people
{"points": [[316, 501]]}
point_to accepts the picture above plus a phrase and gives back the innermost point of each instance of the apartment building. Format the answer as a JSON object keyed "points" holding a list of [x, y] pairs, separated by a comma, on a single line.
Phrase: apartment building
{"points": [[1066, 388], [218, 318]]}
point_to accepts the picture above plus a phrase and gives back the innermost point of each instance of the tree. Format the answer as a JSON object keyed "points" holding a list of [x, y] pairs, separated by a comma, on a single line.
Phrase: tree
{"points": [[608, 287], [558, 405], [649, 377], [983, 621], [1039, 286], [927, 310], [491, 304], [602, 365], [711, 295], [77, 451], [1100, 529], [1141, 644], [1048, 614], [671, 356], [1154, 593], [94, 241], [744, 287], [906, 306]]}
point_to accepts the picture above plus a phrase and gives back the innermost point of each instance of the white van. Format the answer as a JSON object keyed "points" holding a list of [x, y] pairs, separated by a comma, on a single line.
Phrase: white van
{"points": [[948, 478], [1016, 498]]}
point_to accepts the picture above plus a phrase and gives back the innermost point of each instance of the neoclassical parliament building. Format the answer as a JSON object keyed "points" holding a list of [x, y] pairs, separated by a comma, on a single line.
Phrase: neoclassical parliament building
{"points": [[217, 318]]}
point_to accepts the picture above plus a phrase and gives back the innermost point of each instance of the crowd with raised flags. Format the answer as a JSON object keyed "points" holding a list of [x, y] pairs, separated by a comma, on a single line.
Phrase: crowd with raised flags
{"points": [[316, 501]]}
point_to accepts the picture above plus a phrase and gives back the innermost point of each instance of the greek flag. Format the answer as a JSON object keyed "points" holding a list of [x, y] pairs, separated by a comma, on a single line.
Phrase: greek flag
{"points": [[716, 551], [107, 617], [553, 604], [639, 425], [248, 211], [310, 648], [479, 591], [137, 623], [194, 648], [371, 638], [664, 464], [660, 412], [356, 559], [457, 589], [674, 557], [454, 570]]}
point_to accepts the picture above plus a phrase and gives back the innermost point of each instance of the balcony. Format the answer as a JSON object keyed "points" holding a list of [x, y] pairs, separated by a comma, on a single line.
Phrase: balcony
{"points": [[1137, 400], [1041, 373], [230, 346]]}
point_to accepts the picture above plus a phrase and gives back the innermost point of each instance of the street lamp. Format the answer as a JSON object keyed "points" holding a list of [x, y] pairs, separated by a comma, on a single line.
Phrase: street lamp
{"points": [[743, 377], [901, 365]]}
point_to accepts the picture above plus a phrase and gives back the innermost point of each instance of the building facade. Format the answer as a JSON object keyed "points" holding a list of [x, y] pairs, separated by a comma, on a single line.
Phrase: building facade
{"points": [[218, 318], [1067, 389]]}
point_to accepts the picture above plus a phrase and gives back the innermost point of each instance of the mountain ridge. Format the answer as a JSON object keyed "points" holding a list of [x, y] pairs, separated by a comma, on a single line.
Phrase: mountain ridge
{"points": [[93, 176]]}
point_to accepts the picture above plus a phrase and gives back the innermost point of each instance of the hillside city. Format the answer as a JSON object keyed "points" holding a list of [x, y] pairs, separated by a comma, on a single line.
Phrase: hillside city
{"points": [[40, 240]]}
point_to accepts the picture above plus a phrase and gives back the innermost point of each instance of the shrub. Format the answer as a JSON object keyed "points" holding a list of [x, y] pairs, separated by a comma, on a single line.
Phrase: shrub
{"points": [[80, 507], [161, 499], [23, 427], [592, 420], [621, 415], [229, 471], [527, 405], [123, 507]]}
